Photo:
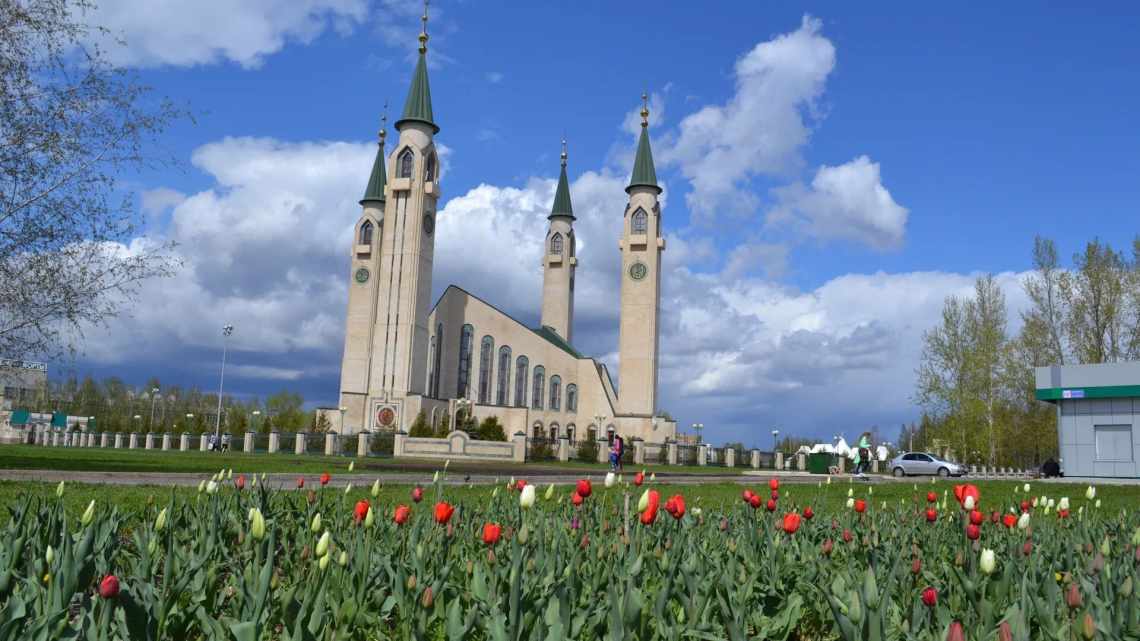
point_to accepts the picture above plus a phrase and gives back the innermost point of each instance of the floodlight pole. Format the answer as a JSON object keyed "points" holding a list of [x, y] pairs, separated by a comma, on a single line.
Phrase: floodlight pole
{"points": [[226, 331]]}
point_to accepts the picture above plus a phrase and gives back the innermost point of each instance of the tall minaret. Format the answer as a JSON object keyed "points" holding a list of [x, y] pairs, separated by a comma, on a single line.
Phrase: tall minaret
{"points": [[400, 338], [641, 245], [362, 289], [558, 261]]}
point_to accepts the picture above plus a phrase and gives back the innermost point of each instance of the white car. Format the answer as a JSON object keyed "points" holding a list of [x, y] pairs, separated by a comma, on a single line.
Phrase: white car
{"points": [[909, 463]]}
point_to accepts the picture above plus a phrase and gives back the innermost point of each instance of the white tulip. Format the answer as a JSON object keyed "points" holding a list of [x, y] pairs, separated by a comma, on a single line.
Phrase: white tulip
{"points": [[549, 492], [1098, 504], [643, 502], [351, 465], [696, 511], [212, 487], [1090, 493], [968, 503], [610, 479], [850, 492], [1063, 505], [850, 503], [829, 479], [316, 524], [435, 477], [1025, 488], [376, 488], [201, 486], [526, 497], [653, 477], [1023, 521], [323, 544], [347, 488], [987, 562]]}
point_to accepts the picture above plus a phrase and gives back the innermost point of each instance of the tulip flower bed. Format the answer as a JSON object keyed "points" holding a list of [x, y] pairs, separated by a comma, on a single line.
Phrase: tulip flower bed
{"points": [[239, 560]]}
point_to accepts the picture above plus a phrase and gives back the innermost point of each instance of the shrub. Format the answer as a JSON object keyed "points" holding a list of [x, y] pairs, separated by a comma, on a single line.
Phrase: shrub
{"points": [[588, 450], [490, 430], [540, 450], [420, 427], [444, 427]]}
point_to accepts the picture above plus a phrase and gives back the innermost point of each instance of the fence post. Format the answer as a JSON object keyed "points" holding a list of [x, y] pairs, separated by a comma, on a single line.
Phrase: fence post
{"points": [[801, 462], [563, 449], [702, 454], [519, 440], [639, 452], [755, 459], [300, 442], [118, 441], [729, 457], [133, 441], [247, 443], [165, 441], [203, 443], [362, 443], [104, 439], [842, 464], [184, 442], [398, 444], [148, 441], [274, 442], [330, 444], [874, 466], [672, 453], [92, 440], [780, 461], [603, 450]]}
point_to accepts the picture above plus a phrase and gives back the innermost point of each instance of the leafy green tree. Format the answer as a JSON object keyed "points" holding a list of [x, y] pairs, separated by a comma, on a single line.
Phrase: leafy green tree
{"points": [[444, 427], [491, 430], [420, 427], [286, 408]]}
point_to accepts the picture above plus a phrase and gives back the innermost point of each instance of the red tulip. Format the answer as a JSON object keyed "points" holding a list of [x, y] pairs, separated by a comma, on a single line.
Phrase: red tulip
{"points": [[930, 597], [639, 478], [976, 517], [931, 497], [520, 484], [747, 495], [443, 512], [109, 587], [239, 482], [584, 489], [808, 513], [955, 633], [995, 517], [791, 522], [300, 482], [576, 499], [771, 505], [931, 515], [973, 532], [417, 494], [1062, 514], [962, 491], [1025, 505], [675, 506], [773, 484], [1005, 632], [775, 494], [360, 511], [1009, 520], [848, 536], [826, 548], [860, 506], [1027, 549], [401, 514], [491, 533], [754, 501], [916, 565], [325, 478], [649, 515], [1073, 596]]}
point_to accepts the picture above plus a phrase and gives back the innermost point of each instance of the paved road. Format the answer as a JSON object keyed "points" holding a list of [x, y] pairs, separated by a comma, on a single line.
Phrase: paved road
{"points": [[388, 478]]}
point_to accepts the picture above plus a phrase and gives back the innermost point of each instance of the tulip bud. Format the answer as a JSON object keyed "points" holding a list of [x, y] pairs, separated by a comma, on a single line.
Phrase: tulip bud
{"points": [[160, 520], [827, 547], [850, 492], [987, 563], [1126, 587], [88, 514], [376, 488], [410, 583], [526, 497], [1088, 627], [369, 518], [153, 545], [323, 562], [435, 477], [323, 544], [1005, 632], [643, 502], [201, 486], [342, 560], [316, 524], [347, 488], [1090, 493], [611, 479], [49, 555], [256, 524], [212, 487], [427, 599], [850, 503], [955, 633], [59, 490], [1063, 505], [1073, 596], [549, 492], [1027, 549], [916, 566], [1023, 521]]}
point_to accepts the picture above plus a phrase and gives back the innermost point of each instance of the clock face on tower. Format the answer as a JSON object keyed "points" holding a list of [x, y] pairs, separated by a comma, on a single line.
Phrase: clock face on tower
{"points": [[362, 275], [638, 270]]}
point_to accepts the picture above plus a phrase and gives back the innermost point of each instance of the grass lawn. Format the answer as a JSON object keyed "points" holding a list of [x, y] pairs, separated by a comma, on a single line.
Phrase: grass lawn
{"points": [[996, 495], [32, 457]]}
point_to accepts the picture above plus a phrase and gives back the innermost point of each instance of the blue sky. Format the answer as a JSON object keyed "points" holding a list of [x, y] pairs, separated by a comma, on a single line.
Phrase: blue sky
{"points": [[876, 159]]}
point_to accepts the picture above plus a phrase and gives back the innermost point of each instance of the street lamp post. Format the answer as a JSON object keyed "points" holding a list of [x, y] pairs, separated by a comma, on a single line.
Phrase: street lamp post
{"points": [[138, 419], [256, 415], [153, 397], [697, 429], [775, 441], [462, 404], [342, 411], [188, 418], [226, 331], [598, 420]]}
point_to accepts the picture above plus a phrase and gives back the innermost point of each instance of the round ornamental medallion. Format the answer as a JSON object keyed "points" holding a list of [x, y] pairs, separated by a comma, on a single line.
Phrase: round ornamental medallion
{"points": [[638, 270], [386, 417], [429, 224], [362, 275]]}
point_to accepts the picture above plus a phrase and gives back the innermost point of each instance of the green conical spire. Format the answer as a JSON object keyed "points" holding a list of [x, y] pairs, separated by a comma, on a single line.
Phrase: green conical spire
{"points": [[562, 206], [418, 106], [644, 175], [378, 180]]}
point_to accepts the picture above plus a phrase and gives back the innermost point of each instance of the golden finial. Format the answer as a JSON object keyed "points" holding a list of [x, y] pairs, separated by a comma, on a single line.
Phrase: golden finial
{"points": [[423, 33], [644, 109], [563, 151], [384, 124]]}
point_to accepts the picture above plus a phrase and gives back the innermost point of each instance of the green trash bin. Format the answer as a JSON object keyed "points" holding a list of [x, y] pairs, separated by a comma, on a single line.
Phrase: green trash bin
{"points": [[819, 463]]}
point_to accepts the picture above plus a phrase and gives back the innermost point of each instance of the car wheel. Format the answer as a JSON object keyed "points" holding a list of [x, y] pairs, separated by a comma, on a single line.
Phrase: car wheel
{"points": [[899, 473], [943, 472]]}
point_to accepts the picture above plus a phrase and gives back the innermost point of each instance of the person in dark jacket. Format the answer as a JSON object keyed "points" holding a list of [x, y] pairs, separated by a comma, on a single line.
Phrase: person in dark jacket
{"points": [[1051, 469]]}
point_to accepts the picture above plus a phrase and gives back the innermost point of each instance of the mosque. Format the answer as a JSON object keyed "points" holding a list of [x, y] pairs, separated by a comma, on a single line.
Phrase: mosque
{"points": [[403, 355]]}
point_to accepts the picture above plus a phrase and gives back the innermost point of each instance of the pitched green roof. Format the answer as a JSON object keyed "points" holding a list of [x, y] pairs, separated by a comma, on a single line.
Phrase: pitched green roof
{"points": [[562, 206], [377, 180], [418, 106], [644, 175], [549, 334]]}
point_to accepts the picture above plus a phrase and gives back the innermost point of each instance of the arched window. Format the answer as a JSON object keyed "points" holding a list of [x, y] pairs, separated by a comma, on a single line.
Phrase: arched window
{"points": [[366, 233], [503, 396], [570, 429], [486, 353], [553, 431], [433, 390], [556, 244], [429, 169], [536, 431], [466, 335], [431, 367], [404, 163], [639, 223], [571, 398], [555, 392], [522, 365], [539, 386]]}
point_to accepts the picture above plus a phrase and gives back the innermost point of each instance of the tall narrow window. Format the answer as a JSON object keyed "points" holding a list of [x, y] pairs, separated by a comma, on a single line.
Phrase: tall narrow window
{"points": [[466, 335], [366, 233], [556, 244], [404, 163], [502, 395], [639, 223], [555, 392], [429, 170], [571, 398], [434, 388], [539, 386], [486, 353], [521, 379], [431, 368]]}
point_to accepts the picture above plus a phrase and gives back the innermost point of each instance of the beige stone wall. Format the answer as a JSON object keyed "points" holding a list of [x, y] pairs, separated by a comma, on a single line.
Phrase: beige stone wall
{"points": [[640, 307]]}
